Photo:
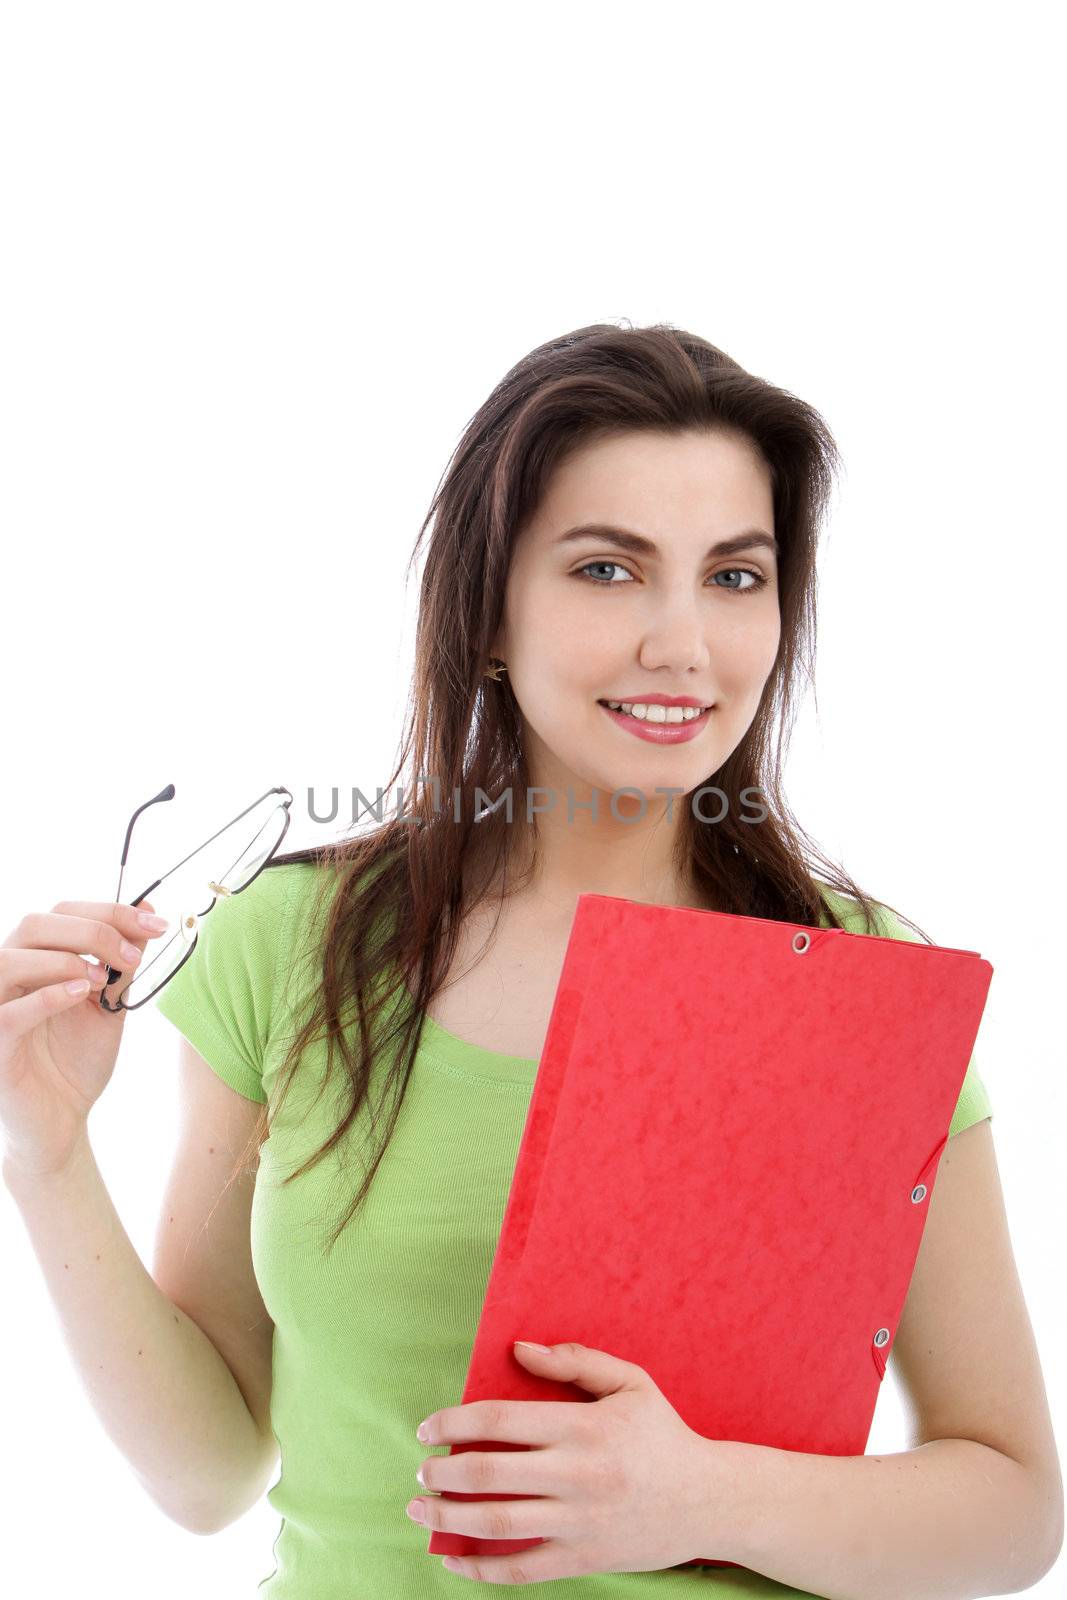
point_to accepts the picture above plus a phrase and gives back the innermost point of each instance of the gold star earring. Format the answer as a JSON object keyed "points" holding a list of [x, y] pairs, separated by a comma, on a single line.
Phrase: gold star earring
{"points": [[495, 669]]}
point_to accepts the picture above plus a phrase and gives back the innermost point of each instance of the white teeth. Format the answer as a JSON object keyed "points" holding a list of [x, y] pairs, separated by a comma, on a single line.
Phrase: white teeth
{"points": [[658, 713]]}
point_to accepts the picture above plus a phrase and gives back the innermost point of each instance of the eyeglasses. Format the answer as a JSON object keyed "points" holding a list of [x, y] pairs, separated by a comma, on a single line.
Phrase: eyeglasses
{"points": [[268, 829]]}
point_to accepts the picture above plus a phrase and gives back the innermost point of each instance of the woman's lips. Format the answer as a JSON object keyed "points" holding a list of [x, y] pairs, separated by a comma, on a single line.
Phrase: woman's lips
{"points": [[659, 732]]}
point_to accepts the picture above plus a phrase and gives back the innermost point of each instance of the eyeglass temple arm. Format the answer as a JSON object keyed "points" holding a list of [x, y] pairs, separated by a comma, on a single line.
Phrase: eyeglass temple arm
{"points": [[164, 794]]}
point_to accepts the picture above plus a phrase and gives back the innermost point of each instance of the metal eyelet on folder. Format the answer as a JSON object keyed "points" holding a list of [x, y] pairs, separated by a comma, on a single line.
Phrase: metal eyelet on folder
{"points": [[878, 1344], [801, 942], [918, 1194]]}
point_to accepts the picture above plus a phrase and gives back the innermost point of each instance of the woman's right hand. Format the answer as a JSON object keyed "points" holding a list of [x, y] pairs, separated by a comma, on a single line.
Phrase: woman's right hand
{"points": [[57, 1049]]}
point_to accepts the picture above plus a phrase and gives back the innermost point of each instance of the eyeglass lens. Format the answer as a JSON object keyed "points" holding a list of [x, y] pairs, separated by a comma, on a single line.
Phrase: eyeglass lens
{"points": [[227, 865]]}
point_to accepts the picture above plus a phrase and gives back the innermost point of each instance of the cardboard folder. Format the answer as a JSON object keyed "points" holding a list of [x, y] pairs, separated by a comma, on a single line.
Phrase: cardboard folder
{"points": [[730, 1149]]}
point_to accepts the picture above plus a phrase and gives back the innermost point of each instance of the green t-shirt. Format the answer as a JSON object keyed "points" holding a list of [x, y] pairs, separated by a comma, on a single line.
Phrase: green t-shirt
{"points": [[375, 1335]]}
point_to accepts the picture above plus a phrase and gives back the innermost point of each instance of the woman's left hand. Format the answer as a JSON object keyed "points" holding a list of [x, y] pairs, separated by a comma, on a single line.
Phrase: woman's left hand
{"points": [[625, 1480]]}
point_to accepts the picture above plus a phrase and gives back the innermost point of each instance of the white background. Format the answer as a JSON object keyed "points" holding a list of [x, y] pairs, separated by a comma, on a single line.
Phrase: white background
{"points": [[262, 263]]}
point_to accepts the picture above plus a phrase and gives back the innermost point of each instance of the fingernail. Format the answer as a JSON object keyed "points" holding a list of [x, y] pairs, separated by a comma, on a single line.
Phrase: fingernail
{"points": [[416, 1512], [423, 1432], [151, 923], [130, 952]]}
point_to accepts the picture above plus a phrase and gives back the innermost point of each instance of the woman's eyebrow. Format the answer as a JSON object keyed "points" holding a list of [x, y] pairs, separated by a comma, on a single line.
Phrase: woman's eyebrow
{"points": [[637, 545]]}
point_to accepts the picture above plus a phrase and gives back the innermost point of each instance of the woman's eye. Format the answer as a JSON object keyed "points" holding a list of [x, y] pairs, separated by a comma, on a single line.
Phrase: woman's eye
{"points": [[583, 570], [758, 580]]}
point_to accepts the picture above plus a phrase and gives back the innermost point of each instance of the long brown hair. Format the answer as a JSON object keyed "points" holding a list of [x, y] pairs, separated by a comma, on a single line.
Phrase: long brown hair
{"points": [[398, 893]]}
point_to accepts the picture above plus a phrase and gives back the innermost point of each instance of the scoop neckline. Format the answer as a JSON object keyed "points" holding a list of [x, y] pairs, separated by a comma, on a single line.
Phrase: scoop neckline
{"points": [[459, 1053]]}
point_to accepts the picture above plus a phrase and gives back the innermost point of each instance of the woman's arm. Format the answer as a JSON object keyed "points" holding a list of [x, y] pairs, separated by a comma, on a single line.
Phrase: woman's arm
{"points": [[976, 1507], [158, 1384]]}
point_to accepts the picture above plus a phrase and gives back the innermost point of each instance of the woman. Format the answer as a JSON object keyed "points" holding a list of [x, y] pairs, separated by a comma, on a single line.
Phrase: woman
{"points": [[629, 520]]}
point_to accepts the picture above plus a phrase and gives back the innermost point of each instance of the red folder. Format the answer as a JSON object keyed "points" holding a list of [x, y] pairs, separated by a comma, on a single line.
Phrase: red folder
{"points": [[731, 1144]]}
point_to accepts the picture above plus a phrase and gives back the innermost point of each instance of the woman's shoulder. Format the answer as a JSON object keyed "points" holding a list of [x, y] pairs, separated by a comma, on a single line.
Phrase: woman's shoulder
{"points": [[267, 903], [303, 888], [295, 897], [847, 909], [284, 880]]}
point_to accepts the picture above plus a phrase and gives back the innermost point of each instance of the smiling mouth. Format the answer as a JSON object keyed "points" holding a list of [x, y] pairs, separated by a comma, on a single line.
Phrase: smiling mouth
{"points": [[668, 722]]}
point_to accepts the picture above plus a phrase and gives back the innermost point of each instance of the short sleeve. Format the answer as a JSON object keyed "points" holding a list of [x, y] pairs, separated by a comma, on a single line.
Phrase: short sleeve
{"points": [[222, 997], [973, 1104]]}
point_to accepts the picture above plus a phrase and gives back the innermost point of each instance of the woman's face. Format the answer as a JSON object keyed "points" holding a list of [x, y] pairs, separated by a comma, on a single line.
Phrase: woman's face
{"points": [[595, 618]]}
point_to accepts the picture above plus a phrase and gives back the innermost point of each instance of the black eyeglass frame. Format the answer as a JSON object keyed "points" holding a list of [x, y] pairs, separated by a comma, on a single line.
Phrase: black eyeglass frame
{"points": [[168, 794]]}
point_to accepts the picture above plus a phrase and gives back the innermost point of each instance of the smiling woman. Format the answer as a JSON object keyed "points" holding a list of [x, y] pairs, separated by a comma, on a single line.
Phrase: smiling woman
{"points": [[629, 525]]}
